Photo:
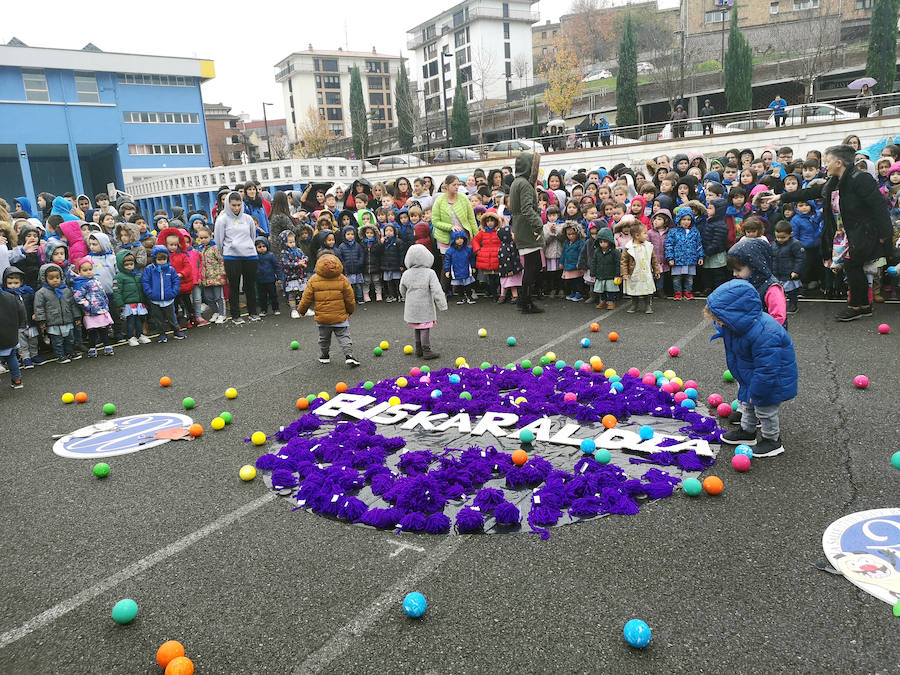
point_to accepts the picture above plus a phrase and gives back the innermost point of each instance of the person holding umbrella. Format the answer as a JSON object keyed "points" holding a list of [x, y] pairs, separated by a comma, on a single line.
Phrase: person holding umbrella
{"points": [[864, 99]]}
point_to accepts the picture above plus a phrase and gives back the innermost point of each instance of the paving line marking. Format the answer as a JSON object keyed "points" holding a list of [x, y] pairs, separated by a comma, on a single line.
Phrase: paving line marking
{"points": [[704, 324], [565, 336], [57, 611]]}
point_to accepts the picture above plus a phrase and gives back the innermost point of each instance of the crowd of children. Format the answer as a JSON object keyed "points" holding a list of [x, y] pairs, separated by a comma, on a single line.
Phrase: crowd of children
{"points": [[86, 277]]}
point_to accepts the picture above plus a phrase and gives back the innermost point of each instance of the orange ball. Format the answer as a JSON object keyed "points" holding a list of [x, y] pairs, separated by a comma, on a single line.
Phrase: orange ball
{"points": [[614, 336], [609, 421], [713, 485], [165, 381], [302, 403], [195, 430], [340, 387], [168, 650], [180, 665], [81, 397], [595, 327], [519, 457]]}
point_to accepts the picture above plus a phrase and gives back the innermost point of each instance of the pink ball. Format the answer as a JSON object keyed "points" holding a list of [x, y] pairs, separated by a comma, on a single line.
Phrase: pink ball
{"points": [[674, 351], [714, 400], [667, 387], [884, 329], [570, 396], [634, 372], [586, 367], [691, 384], [740, 463], [861, 381], [415, 371], [649, 378], [425, 379], [680, 396], [674, 386], [724, 409]]}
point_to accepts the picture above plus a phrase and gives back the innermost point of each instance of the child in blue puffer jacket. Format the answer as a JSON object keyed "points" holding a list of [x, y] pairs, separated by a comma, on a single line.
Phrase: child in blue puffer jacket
{"points": [[352, 255], [161, 285], [806, 224], [760, 355], [572, 275], [459, 263], [268, 274], [684, 251]]}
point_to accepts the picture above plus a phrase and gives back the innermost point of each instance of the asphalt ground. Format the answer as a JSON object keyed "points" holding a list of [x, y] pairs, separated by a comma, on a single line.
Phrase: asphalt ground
{"points": [[726, 583]]}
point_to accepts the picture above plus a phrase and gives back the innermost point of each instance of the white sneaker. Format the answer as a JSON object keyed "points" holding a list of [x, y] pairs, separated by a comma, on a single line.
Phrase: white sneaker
{"points": [[214, 317], [143, 339], [309, 312], [295, 314], [133, 342], [221, 319], [203, 307]]}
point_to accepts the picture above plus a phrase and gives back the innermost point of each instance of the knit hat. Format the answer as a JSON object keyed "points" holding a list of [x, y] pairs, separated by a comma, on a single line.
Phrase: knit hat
{"points": [[196, 217], [682, 212], [160, 216]]}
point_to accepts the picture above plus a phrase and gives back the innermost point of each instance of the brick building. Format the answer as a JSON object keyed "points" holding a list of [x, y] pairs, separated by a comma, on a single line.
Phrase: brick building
{"points": [[542, 37], [226, 142]]}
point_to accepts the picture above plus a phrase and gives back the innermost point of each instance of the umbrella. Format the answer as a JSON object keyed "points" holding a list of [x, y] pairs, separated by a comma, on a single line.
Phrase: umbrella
{"points": [[558, 122], [314, 187], [861, 82]]}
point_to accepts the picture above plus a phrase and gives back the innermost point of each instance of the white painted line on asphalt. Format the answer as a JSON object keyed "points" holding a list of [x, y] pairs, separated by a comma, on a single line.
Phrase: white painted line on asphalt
{"points": [[705, 324], [142, 565], [400, 547], [344, 636], [543, 349]]}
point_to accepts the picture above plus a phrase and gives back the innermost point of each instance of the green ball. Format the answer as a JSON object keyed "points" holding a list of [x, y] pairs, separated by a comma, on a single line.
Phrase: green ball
{"points": [[895, 460], [101, 470], [735, 405], [727, 376], [369, 385], [526, 435], [466, 395], [485, 365], [311, 397], [537, 371], [295, 345], [124, 611], [378, 351], [692, 487], [526, 364], [603, 456], [425, 369], [896, 609], [188, 403], [510, 366], [109, 409], [545, 360], [226, 416], [511, 341]]}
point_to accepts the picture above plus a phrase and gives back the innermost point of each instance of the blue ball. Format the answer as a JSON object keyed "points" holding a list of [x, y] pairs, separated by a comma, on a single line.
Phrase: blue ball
{"points": [[618, 386], [744, 450], [892, 270], [645, 432], [453, 379], [560, 364], [660, 381], [588, 446], [436, 393], [615, 378], [415, 604], [637, 633], [585, 342], [691, 393], [688, 403]]}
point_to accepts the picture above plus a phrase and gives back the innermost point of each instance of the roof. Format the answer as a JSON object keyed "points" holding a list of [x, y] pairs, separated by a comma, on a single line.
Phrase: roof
{"points": [[339, 53]]}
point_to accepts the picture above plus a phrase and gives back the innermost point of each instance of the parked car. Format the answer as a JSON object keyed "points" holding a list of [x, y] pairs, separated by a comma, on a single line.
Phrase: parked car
{"points": [[454, 155], [745, 125], [889, 110], [691, 128], [810, 113], [643, 67], [399, 162], [599, 75], [512, 148]]}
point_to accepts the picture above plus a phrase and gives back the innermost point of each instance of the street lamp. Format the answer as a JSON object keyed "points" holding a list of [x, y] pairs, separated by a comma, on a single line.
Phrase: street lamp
{"points": [[425, 103], [444, 92], [266, 123], [680, 34]]}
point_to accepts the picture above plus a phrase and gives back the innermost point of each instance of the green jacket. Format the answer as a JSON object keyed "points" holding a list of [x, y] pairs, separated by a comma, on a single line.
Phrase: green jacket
{"points": [[442, 222], [528, 229], [605, 265], [126, 285]]}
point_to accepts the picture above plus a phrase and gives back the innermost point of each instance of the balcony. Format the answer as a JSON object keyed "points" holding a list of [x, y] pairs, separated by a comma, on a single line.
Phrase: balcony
{"points": [[284, 73]]}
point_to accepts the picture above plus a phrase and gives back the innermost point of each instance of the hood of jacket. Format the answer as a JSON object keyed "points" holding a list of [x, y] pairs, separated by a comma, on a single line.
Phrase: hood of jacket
{"points": [[62, 208], [25, 205], [456, 234], [757, 255], [329, 266], [12, 269], [665, 202], [347, 212], [418, 256], [28, 227], [504, 234], [491, 213], [172, 232], [156, 250], [527, 166], [683, 211], [720, 206], [665, 213], [345, 230], [132, 230], [264, 241], [283, 236], [605, 234], [120, 262], [52, 246], [736, 304], [105, 243], [46, 267]]}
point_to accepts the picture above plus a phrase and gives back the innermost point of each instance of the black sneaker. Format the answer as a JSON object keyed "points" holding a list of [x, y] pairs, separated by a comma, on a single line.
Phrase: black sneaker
{"points": [[735, 418], [850, 314], [738, 436], [16, 384], [64, 359], [793, 308], [178, 335], [324, 358], [75, 356], [350, 361], [768, 448]]}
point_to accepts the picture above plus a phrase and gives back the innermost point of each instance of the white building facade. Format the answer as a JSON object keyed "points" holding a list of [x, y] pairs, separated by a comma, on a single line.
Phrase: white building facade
{"points": [[321, 79], [485, 43]]}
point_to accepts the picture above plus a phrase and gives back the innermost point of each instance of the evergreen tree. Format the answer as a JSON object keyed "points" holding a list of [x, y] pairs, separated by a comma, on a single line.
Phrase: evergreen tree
{"points": [[460, 130], [535, 126], [882, 45], [406, 112], [626, 81], [738, 68], [359, 124]]}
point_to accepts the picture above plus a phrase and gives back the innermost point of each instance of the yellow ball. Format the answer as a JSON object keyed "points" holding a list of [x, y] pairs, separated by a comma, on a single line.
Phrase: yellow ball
{"points": [[463, 365], [669, 375], [482, 332], [595, 360], [678, 380], [258, 438], [68, 397], [324, 395], [408, 349], [460, 360], [394, 400], [401, 382], [247, 472], [231, 392], [551, 356], [609, 372], [217, 423], [384, 344], [617, 281], [520, 400]]}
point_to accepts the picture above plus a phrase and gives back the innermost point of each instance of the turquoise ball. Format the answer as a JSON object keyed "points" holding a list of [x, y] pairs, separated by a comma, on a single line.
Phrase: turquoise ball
{"points": [[526, 435], [692, 487], [603, 456], [124, 611], [511, 341]]}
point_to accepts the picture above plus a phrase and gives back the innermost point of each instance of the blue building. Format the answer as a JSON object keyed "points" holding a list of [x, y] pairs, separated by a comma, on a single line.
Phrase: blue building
{"points": [[79, 120]]}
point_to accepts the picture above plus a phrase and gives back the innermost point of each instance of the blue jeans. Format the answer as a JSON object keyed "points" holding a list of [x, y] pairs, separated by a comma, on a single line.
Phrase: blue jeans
{"points": [[133, 326], [683, 282], [12, 362], [63, 345]]}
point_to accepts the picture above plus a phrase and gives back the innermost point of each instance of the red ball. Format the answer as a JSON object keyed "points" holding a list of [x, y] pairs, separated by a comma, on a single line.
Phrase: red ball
{"points": [[634, 372], [680, 396], [649, 378], [415, 371], [861, 381], [691, 384], [674, 351], [724, 410], [714, 400], [884, 329], [740, 463]]}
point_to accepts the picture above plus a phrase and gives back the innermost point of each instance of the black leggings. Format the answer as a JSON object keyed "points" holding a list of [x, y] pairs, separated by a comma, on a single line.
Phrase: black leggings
{"points": [[235, 271], [529, 275]]}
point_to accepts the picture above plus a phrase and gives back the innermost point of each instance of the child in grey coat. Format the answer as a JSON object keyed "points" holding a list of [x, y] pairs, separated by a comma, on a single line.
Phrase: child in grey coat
{"points": [[423, 295]]}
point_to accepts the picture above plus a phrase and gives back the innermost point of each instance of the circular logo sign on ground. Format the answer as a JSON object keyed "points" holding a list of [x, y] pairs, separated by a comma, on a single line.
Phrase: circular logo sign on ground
{"points": [[437, 452], [119, 436]]}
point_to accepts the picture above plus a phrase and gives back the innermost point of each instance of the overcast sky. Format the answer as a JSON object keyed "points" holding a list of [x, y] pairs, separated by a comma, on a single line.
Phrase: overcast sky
{"points": [[245, 42]]}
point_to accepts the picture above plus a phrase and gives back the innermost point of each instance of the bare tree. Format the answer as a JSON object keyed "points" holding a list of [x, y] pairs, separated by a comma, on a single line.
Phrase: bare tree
{"points": [[589, 30], [815, 36], [484, 75], [666, 75], [313, 135], [521, 67], [279, 146]]}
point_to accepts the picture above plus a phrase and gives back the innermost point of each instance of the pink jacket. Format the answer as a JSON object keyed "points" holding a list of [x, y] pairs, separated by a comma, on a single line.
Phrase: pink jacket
{"points": [[71, 229]]}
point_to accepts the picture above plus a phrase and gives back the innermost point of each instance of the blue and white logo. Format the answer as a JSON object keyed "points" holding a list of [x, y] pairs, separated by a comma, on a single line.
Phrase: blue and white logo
{"points": [[119, 436]]}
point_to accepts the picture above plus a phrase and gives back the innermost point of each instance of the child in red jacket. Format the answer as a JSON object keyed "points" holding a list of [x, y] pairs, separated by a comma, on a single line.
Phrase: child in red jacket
{"points": [[486, 245], [179, 259]]}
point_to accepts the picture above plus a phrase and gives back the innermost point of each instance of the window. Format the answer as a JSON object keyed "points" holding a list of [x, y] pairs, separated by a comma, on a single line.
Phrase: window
{"points": [[430, 32], [86, 88], [465, 74], [35, 85], [156, 80], [425, 71], [132, 117], [432, 69], [320, 100], [543, 35], [431, 51], [332, 98], [505, 29], [863, 4], [329, 65], [505, 10], [166, 149], [506, 50], [773, 8], [331, 82], [374, 83], [508, 69], [378, 125], [720, 15], [376, 99], [459, 38], [335, 114], [458, 18], [373, 66], [291, 101], [805, 4], [293, 118], [336, 129], [460, 57], [290, 86]]}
